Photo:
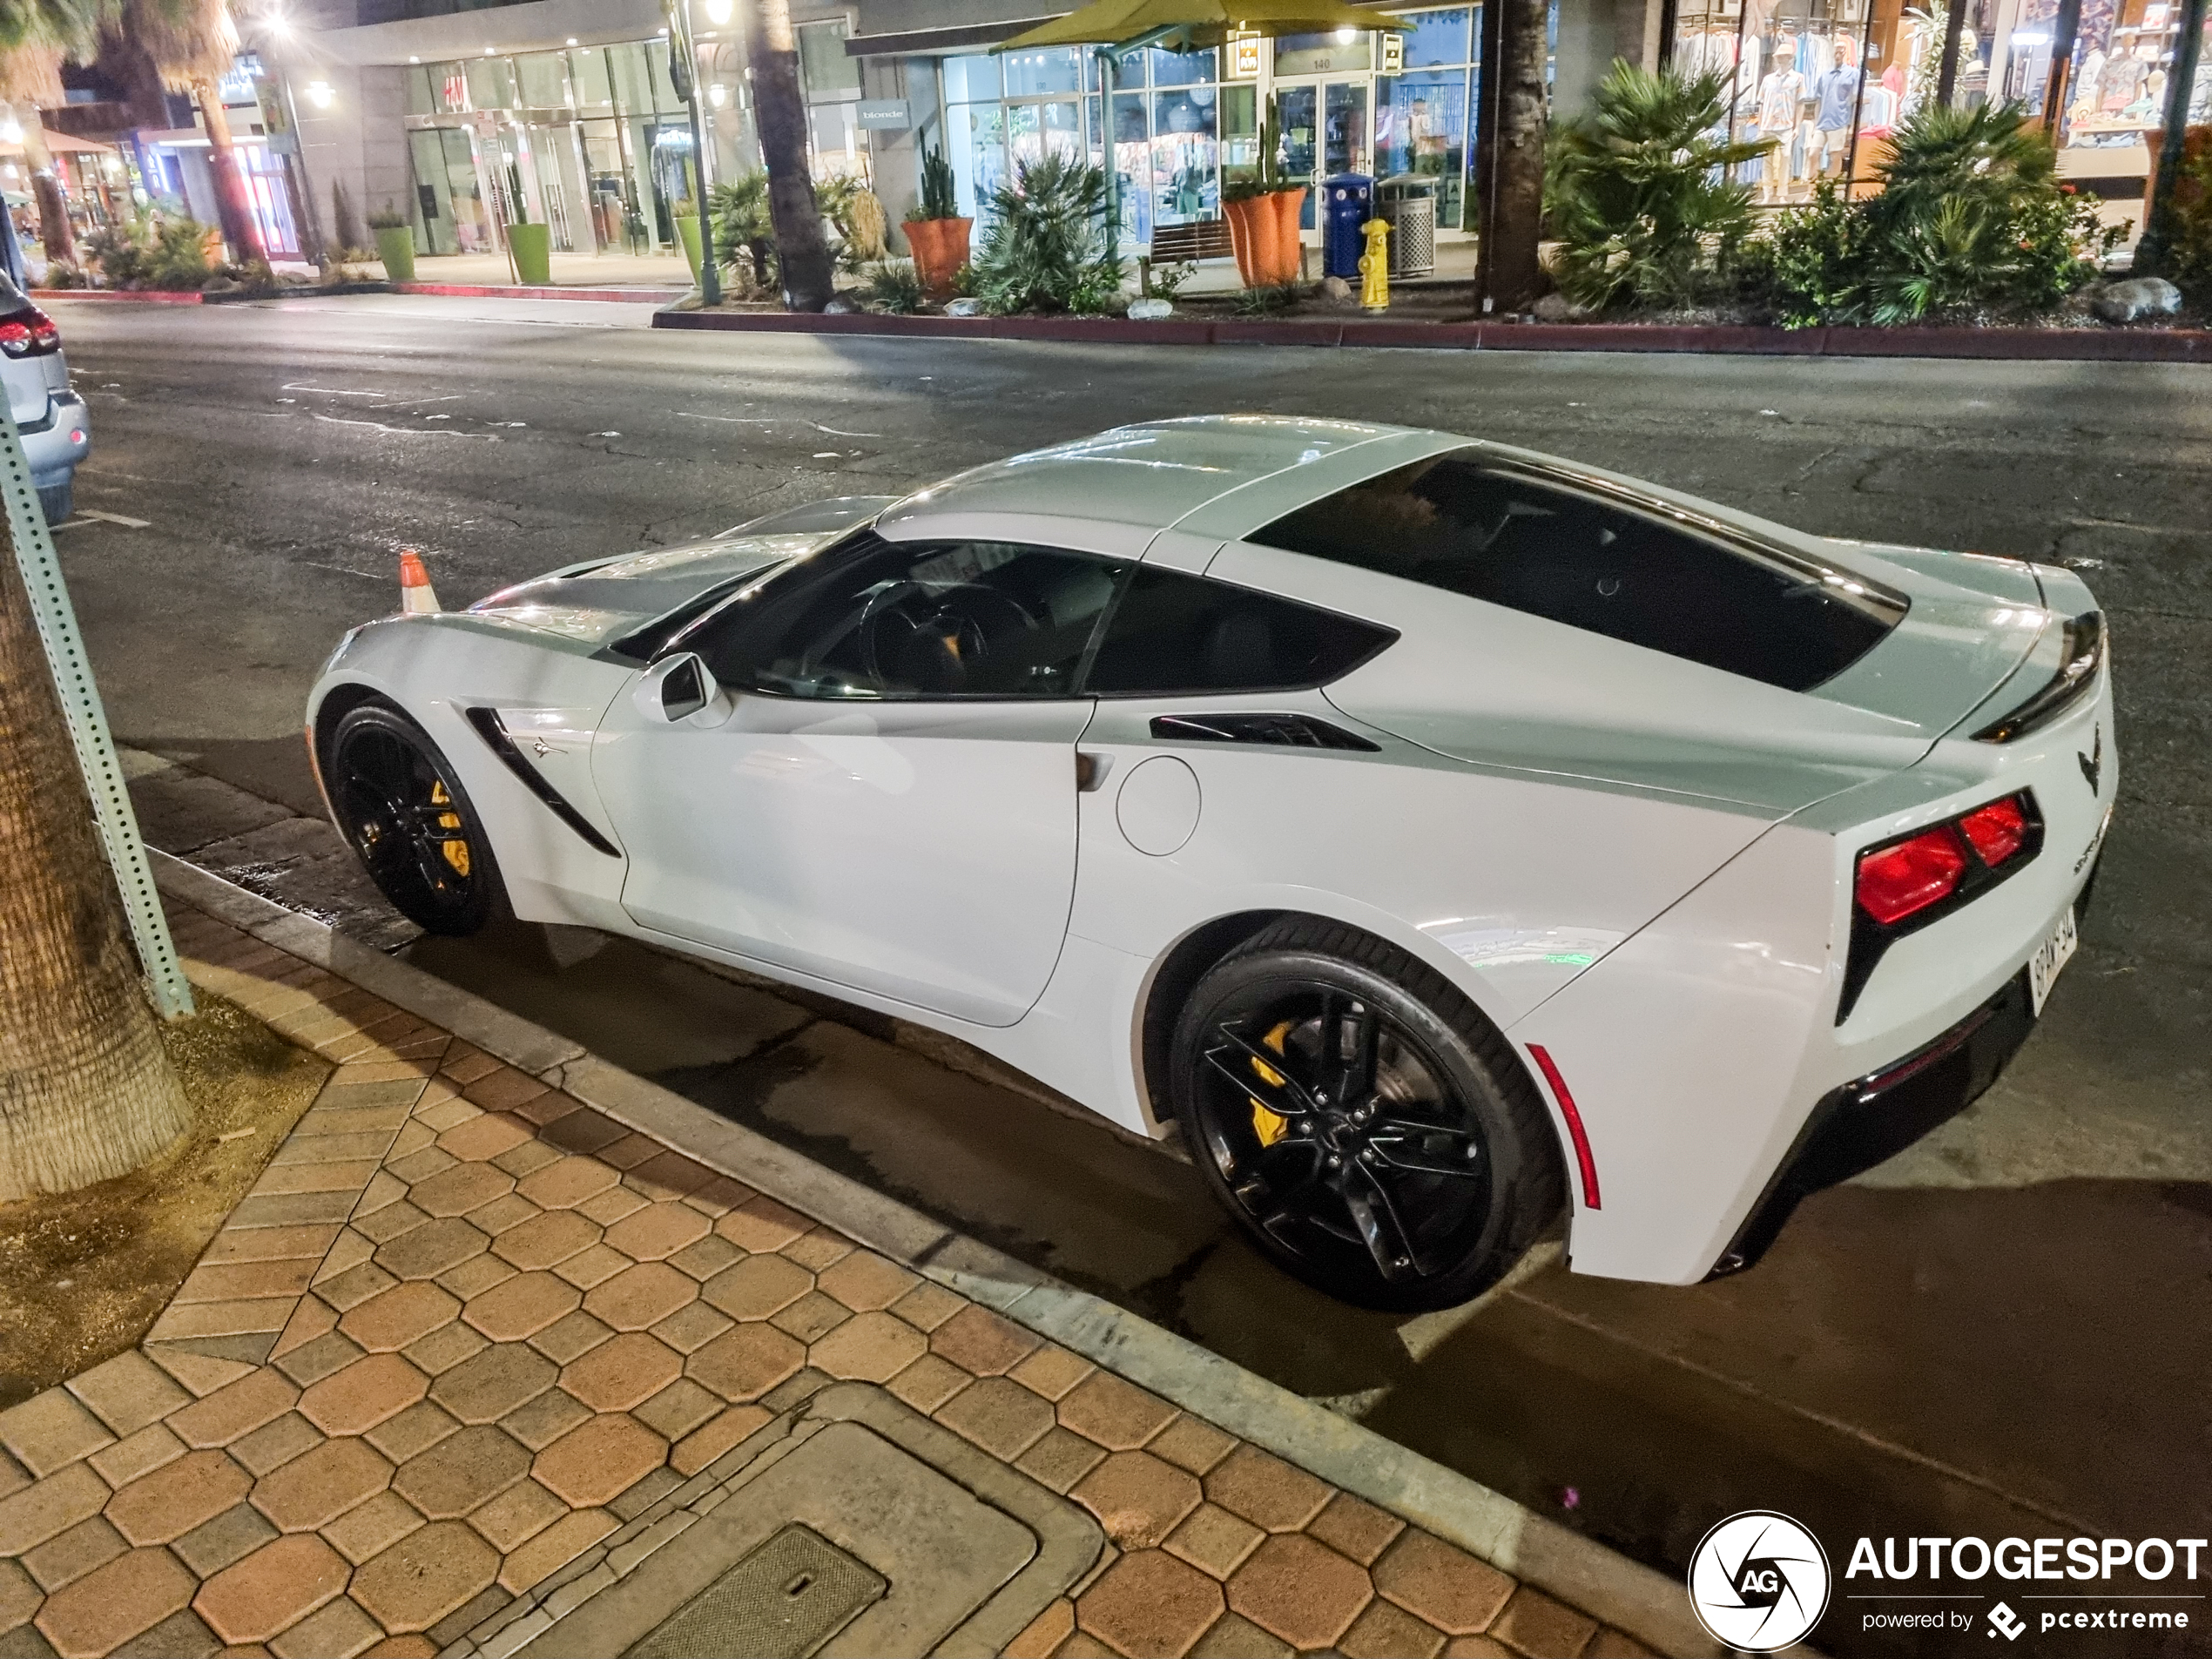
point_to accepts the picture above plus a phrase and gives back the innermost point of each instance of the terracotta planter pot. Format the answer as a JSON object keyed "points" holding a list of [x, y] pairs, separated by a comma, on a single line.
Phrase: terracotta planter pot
{"points": [[940, 248], [1286, 203], [1240, 239]]}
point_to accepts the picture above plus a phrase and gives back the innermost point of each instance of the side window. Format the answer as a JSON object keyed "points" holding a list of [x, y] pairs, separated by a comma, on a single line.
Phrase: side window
{"points": [[915, 620], [1174, 633]]}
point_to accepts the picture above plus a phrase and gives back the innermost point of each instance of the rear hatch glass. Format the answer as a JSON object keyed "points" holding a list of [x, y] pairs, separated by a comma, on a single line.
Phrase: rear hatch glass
{"points": [[1583, 552]]}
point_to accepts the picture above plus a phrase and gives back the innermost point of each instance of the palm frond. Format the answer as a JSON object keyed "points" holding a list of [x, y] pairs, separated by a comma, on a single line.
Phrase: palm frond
{"points": [[189, 41]]}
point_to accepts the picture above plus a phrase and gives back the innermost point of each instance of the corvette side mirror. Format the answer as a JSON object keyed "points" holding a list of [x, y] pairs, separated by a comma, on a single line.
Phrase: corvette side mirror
{"points": [[679, 688]]}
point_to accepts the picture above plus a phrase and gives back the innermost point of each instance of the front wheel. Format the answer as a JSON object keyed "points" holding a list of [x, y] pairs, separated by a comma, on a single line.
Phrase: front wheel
{"points": [[403, 811], [1369, 1130]]}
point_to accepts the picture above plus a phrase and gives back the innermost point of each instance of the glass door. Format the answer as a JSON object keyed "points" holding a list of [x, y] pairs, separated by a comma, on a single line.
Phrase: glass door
{"points": [[449, 198], [1326, 132], [1035, 131]]}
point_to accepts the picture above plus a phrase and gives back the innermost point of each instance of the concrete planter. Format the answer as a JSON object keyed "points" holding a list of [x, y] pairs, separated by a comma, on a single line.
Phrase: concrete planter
{"points": [[939, 249], [687, 233], [532, 246], [395, 247]]}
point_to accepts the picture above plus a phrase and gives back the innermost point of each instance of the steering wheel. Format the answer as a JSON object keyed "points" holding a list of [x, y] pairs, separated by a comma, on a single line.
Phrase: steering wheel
{"points": [[969, 622]]}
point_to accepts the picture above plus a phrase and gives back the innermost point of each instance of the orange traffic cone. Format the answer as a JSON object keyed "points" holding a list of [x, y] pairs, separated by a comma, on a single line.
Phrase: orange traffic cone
{"points": [[417, 596]]}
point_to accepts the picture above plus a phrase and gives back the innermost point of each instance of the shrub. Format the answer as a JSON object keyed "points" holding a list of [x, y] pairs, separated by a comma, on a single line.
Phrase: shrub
{"points": [[2188, 222], [345, 222], [137, 253], [742, 225], [1639, 191], [892, 285], [388, 218], [1047, 248], [939, 193], [1970, 219]]}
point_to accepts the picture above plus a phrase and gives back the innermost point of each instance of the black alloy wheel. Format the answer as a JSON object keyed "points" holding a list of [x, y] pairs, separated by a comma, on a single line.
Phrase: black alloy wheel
{"points": [[409, 821], [1371, 1132]]}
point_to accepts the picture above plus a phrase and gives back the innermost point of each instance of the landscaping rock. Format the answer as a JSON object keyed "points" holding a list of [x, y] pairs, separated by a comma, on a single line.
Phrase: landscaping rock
{"points": [[1150, 310], [839, 308], [1557, 307], [964, 308], [2136, 297], [1337, 292]]}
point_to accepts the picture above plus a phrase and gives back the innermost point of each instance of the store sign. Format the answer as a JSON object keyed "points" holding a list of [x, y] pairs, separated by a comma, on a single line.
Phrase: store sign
{"points": [[1393, 55], [884, 114], [1244, 56]]}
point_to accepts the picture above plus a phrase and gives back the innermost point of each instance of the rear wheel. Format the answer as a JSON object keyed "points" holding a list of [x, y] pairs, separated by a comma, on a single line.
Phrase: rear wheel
{"points": [[58, 501], [410, 822], [1370, 1131]]}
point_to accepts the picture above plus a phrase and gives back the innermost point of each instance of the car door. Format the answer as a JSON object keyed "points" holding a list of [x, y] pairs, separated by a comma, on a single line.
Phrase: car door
{"points": [[890, 803]]}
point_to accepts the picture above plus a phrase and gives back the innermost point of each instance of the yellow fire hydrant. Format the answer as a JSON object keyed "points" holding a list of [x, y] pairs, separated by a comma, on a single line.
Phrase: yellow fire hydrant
{"points": [[1374, 266]]}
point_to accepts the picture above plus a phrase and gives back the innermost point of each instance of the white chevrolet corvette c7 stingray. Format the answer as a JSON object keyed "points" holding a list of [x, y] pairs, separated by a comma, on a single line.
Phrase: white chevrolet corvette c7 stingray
{"points": [[1439, 834]]}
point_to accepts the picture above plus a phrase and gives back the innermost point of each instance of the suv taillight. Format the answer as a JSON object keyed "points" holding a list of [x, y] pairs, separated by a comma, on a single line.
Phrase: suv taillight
{"points": [[1903, 885], [28, 332]]}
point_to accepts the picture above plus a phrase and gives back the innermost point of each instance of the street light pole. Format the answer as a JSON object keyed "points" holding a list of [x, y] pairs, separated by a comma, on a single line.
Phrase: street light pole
{"points": [[684, 65]]}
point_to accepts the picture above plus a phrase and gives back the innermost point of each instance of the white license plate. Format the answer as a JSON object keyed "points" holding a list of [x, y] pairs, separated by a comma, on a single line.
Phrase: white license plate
{"points": [[2051, 955]]}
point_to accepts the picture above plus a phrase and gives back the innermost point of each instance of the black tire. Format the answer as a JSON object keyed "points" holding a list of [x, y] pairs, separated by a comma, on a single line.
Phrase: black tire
{"points": [[1446, 1166], [58, 501], [402, 809]]}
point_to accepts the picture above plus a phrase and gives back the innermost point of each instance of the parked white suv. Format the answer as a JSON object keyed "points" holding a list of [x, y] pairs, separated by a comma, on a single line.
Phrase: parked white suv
{"points": [[57, 429]]}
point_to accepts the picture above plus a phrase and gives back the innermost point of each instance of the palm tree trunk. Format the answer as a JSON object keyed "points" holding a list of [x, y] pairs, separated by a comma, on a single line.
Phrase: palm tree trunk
{"points": [[55, 231], [233, 207], [1510, 169], [802, 250], [86, 1091]]}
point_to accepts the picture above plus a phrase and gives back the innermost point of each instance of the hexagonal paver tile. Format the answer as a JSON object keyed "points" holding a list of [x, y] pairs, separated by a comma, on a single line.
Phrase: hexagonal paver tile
{"points": [[746, 1361], [640, 1296], [1119, 1415], [318, 1487], [566, 1183], [595, 1462], [657, 1231], [869, 1347], [623, 1372], [757, 1286], [271, 1590], [391, 1320], [463, 1188], [547, 1240], [357, 1399], [176, 1497], [433, 1571], [1299, 1590], [523, 1306], [1354, 1528], [998, 1414], [1266, 1491], [485, 1388], [235, 1409], [1150, 1603], [526, 1509], [1138, 1498], [462, 1471], [487, 1136], [981, 1341], [865, 1281], [762, 1224], [435, 1247], [1384, 1630], [1447, 1587], [114, 1602]]}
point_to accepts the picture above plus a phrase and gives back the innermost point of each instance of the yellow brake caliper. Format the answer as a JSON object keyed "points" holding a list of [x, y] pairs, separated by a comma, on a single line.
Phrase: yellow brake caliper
{"points": [[456, 851], [1269, 1125]]}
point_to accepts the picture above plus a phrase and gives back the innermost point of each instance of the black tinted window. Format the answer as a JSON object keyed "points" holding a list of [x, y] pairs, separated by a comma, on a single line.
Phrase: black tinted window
{"points": [[1173, 633], [1553, 551], [941, 619]]}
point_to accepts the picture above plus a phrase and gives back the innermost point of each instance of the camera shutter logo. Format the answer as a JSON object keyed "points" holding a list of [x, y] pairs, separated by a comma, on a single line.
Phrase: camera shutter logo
{"points": [[1758, 1582]]}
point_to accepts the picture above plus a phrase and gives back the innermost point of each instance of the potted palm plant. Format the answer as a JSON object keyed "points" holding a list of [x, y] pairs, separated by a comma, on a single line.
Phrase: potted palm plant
{"points": [[531, 244], [687, 216], [1263, 212], [936, 232], [395, 242]]}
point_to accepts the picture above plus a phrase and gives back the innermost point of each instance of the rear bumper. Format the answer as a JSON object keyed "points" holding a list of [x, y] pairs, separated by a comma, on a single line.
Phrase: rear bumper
{"points": [[1875, 1117], [54, 443]]}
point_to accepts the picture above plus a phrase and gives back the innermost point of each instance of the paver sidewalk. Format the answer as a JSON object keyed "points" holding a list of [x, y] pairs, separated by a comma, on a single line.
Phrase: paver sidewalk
{"points": [[470, 1347]]}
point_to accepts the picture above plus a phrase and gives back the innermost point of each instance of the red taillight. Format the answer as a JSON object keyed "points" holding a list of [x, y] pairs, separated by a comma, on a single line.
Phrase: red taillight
{"points": [[1996, 830], [1898, 880], [28, 332], [15, 338]]}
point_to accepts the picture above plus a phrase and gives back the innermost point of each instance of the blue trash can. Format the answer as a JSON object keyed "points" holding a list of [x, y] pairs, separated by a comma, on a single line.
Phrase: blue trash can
{"points": [[1347, 202]]}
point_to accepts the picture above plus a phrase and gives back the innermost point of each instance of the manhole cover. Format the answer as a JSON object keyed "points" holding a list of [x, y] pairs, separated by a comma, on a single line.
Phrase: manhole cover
{"points": [[782, 1602]]}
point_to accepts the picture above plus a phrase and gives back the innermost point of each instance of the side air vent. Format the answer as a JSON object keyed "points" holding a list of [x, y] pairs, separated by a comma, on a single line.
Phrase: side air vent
{"points": [[1279, 731], [494, 733]]}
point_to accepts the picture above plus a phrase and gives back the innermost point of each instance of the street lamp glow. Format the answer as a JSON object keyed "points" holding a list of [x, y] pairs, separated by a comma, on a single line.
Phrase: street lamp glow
{"points": [[319, 94], [11, 130], [717, 95], [1346, 36], [719, 12]]}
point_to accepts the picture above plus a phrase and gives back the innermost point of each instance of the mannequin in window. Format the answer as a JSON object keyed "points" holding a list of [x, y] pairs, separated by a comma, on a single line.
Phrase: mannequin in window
{"points": [[1780, 94]]}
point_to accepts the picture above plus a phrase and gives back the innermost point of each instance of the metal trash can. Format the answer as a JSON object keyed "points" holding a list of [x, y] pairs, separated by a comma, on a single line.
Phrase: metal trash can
{"points": [[1346, 203], [1407, 203]]}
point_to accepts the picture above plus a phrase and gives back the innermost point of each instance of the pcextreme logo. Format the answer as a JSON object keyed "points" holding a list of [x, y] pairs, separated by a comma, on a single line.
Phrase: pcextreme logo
{"points": [[1758, 1582]]}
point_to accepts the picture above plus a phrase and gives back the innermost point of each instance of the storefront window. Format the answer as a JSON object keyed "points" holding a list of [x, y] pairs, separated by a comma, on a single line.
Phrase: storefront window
{"points": [[544, 81], [1186, 155], [1056, 70], [1181, 68], [1324, 54], [1437, 37]]}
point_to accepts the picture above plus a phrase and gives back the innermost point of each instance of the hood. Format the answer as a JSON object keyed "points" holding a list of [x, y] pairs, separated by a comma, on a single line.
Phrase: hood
{"points": [[604, 599]]}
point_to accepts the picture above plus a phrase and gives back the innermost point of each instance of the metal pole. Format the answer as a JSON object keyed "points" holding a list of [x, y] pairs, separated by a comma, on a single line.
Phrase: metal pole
{"points": [[710, 276], [2150, 247], [1113, 167], [88, 729]]}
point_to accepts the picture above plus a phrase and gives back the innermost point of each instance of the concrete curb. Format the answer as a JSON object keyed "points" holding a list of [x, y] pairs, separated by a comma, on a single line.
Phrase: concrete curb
{"points": [[2019, 344], [486, 290], [142, 296], [1608, 1586]]}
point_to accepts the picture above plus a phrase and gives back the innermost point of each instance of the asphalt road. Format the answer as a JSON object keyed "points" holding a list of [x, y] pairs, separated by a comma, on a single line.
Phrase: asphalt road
{"points": [[2008, 1330]]}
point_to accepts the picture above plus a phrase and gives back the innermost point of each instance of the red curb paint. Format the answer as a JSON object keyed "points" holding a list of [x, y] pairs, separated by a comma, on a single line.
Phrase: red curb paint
{"points": [[484, 291], [2030, 345], [143, 296]]}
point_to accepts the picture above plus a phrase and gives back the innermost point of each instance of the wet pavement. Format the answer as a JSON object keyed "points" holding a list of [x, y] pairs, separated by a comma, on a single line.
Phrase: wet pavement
{"points": [[2004, 1331]]}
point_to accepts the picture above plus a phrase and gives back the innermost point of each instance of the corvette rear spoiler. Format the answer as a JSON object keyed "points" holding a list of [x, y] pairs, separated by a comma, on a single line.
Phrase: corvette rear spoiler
{"points": [[2081, 653]]}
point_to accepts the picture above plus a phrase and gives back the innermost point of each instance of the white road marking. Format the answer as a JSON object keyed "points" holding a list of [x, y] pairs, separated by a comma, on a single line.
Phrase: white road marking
{"points": [[111, 518], [411, 432], [331, 391], [765, 420]]}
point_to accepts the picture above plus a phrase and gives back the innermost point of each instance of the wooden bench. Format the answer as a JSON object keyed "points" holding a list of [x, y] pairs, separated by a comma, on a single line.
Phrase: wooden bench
{"points": [[1204, 238]]}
